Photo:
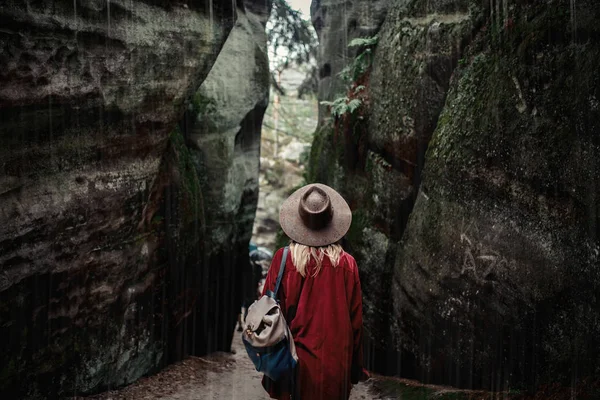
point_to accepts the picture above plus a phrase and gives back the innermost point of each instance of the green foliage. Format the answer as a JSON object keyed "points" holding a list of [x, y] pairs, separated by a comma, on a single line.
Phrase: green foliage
{"points": [[353, 105], [203, 105], [351, 73], [362, 61], [342, 106], [288, 31]]}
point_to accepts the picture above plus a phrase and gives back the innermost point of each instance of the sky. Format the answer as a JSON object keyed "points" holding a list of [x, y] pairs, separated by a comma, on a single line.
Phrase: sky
{"points": [[302, 5]]}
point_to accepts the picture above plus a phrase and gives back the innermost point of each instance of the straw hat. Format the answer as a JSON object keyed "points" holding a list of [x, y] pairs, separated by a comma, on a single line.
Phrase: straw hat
{"points": [[315, 215]]}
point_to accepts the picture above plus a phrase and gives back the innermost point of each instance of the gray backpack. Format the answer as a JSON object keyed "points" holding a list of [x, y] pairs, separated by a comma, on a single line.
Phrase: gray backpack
{"points": [[267, 337]]}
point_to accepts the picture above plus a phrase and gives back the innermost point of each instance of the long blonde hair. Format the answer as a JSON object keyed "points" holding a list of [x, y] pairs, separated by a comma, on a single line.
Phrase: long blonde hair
{"points": [[301, 255]]}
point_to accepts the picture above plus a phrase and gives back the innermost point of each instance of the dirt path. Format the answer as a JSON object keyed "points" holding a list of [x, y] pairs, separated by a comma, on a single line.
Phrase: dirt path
{"points": [[221, 376], [240, 381], [226, 376]]}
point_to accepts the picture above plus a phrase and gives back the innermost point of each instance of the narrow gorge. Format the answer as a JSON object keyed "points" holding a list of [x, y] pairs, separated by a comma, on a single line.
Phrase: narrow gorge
{"points": [[464, 134]]}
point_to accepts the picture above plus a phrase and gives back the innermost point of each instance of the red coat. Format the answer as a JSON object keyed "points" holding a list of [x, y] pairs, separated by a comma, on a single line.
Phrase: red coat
{"points": [[327, 327]]}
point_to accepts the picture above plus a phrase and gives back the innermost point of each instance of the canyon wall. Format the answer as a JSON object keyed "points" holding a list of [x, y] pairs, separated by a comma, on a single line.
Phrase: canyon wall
{"points": [[108, 266], [472, 173]]}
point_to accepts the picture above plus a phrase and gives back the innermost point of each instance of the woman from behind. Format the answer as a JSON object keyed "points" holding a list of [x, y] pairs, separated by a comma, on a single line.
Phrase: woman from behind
{"points": [[320, 297]]}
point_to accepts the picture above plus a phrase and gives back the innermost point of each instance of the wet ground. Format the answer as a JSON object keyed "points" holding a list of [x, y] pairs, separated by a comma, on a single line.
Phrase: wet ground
{"points": [[227, 376], [232, 376], [222, 376]]}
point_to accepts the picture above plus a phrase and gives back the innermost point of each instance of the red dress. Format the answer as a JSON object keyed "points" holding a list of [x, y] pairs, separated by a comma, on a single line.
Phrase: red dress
{"points": [[327, 327]]}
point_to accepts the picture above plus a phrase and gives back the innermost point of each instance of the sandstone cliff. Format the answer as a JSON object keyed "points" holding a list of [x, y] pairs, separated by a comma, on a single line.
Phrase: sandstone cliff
{"points": [[473, 177], [224, 144], [107, 270]]}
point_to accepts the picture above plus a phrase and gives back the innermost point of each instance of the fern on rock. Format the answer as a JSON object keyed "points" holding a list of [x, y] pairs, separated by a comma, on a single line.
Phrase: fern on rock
{"points": [[349, 112]]}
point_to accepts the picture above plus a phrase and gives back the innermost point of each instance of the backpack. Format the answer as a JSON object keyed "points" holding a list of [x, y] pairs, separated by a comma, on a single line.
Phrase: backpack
{"points": [[267, 337]]}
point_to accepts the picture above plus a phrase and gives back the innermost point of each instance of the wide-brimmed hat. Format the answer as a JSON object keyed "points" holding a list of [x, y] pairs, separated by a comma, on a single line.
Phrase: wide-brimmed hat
{"points": [[315, 215]]}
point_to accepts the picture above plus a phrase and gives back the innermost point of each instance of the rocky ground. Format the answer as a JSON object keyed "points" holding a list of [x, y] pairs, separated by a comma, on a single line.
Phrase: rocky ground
{"points": [[232, 376], [218, 376], [226, 376]]}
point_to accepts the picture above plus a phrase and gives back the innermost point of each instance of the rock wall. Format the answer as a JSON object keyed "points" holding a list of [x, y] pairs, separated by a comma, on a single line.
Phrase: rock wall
{"points": [[496, 280], [337, 23], [493, 273], [224, 141], [106, 268]]}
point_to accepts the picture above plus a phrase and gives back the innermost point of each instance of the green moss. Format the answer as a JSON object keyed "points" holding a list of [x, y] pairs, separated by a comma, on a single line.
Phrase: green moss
{"points": [[467, 115], [189, 177], [355, 233], [323, 156], [391, 388], [202, 105], [190, 207], [405, 392]]}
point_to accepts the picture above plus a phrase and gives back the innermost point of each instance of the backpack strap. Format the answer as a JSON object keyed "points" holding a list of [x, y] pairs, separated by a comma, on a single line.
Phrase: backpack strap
{"points": [[280, 275]]}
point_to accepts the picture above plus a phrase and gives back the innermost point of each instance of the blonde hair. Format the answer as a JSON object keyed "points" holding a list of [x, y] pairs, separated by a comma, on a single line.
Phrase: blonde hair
{"points": [[301, 255]]}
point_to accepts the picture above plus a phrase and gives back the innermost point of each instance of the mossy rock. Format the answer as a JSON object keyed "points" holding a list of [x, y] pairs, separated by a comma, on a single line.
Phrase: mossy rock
{"points": [[191, 203], [501, 250]]}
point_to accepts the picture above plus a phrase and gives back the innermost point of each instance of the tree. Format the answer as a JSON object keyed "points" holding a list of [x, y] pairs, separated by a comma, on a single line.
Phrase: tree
{"points": [[291, 39], [292, 42]]}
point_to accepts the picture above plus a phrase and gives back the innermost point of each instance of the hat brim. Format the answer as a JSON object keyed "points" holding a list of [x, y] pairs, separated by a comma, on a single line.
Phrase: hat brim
{"points": [[294, 228]]}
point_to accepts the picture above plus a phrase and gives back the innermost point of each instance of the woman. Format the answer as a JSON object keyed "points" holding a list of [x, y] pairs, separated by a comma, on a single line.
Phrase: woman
{"points": [[320, 297]]}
